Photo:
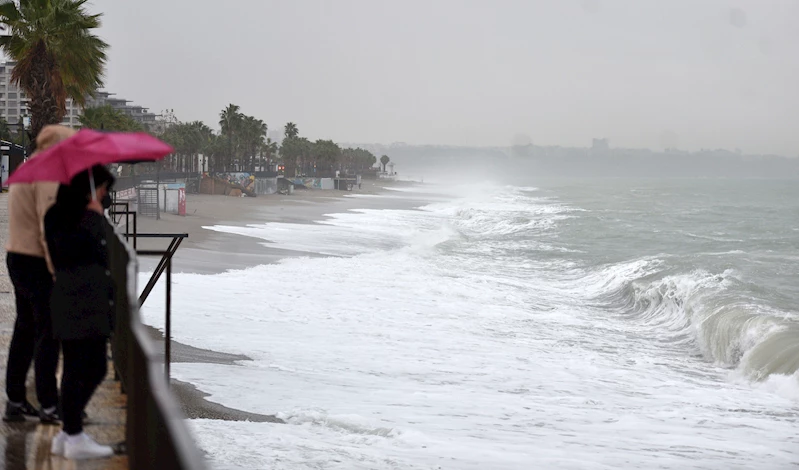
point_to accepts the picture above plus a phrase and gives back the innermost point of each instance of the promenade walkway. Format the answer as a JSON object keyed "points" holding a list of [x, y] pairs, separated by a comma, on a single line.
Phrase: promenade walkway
{"points": [[27, 445]]}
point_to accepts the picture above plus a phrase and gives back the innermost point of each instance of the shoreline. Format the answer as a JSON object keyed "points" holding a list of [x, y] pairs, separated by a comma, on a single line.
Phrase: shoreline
{"points": [[209, 252]]}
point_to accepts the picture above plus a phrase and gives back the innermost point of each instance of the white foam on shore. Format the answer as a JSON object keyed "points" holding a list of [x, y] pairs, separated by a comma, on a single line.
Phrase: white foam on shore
{"points": [[408, 353]]}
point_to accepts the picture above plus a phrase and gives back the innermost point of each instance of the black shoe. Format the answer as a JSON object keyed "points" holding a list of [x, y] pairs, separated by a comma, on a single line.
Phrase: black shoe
{"points": [[17, 413], [52, 417]]}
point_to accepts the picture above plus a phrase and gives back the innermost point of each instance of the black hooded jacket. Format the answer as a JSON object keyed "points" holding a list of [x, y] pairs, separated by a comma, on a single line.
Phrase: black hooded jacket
{"points": [[82, 303]]}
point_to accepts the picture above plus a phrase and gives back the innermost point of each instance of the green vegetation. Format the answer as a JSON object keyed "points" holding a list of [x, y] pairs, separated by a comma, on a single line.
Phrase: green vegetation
{"points": [[109, 119], [190, 140], [291, 130], [56, 53], [242, 145], [384, 161], [358, 159], [5, 131]]}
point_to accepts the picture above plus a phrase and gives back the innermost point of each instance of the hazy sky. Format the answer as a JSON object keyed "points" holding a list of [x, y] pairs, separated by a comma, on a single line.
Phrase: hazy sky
{"points": [[643, 73]]}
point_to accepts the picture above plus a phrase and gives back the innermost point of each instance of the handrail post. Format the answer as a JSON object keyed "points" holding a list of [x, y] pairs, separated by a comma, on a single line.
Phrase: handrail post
{"points": [[127, 221], [168, 328], [164, 265]]}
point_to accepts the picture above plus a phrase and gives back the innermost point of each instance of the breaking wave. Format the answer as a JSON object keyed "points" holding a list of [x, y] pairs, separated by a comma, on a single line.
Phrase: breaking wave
{"points": [[715, 313], [708, 310], [507, 328]]}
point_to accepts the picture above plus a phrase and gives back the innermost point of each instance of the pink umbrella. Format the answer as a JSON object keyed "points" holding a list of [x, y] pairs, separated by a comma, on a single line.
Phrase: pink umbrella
{"points": [[86, 149]]}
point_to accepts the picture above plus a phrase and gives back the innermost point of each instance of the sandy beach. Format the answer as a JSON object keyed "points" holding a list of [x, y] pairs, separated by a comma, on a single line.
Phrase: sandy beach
{"points": [[210, 252]]}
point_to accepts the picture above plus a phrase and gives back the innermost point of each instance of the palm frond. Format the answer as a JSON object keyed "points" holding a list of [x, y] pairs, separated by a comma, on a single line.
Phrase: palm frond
{"points": [[9, 13]]}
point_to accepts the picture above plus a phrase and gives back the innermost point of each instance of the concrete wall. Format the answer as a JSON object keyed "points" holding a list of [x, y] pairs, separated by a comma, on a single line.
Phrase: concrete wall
{"points": [[168, 196], [314, 183], [211, 186], [264, 186]]}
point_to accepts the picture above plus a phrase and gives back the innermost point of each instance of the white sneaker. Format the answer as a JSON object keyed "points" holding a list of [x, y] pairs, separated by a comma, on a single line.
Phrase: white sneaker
{"points": [[57, 447], [82, 447]]}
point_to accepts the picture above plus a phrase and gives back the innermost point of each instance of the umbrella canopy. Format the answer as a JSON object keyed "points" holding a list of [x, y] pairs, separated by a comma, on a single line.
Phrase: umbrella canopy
{"points": [[86, 149]]}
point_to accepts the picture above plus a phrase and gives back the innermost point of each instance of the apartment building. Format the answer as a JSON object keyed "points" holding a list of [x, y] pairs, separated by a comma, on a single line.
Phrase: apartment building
{"points": [[14, 104]]}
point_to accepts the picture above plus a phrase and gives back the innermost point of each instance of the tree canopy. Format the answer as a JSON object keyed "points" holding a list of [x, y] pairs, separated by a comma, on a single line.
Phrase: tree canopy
{"points": [[242, 145], [290, 130], [358, 158], [109, 119]]}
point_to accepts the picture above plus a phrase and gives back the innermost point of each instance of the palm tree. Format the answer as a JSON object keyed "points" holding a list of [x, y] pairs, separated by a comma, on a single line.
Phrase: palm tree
{"points": [[268, 150], [108, 118], [230, 121], [189, 140], [384, 160], [326, 155], [253, 133], [56, 53], [198, 142], [291, 130], [292, 151]]}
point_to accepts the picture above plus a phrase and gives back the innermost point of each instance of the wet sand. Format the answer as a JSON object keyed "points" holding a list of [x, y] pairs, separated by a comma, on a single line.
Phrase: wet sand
{"points": [[210, 252]]}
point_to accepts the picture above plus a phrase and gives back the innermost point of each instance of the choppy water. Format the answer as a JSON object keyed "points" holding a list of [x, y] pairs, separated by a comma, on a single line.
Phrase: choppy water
{"points": [[568, 325]]}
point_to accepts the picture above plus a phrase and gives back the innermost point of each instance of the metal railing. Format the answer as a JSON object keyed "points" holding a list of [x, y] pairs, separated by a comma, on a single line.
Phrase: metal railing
{"points": [[122, 209], [164, 265], [156, 435]]}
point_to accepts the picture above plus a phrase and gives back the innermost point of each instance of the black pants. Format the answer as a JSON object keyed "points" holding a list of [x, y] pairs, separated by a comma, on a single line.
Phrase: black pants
{"points": [[33, 332], [85, 366]]}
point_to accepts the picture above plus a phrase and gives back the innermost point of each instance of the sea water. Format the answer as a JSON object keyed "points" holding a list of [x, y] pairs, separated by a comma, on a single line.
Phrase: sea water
{"points": [[570, 324]]}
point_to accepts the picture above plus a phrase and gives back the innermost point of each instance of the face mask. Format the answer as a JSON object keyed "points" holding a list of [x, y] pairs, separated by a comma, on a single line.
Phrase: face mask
{"points": [[106, 201]]}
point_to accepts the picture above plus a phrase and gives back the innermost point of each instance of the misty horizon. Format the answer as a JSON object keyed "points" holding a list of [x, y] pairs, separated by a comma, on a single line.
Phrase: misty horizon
{"points": [[611, 149]]}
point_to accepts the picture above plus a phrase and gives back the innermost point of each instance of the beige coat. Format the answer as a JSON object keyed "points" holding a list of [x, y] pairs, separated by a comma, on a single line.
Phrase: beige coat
{"points": [[29, 202], [27, 205]]}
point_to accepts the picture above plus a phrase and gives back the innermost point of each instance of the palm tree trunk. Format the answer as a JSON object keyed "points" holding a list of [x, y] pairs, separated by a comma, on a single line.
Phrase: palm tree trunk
{"points": [[44, 86], [230, 149]]}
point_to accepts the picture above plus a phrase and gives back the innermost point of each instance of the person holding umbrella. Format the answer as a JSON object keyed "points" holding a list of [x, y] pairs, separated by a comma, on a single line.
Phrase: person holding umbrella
{"points": [[82, 302], [31, 274]]}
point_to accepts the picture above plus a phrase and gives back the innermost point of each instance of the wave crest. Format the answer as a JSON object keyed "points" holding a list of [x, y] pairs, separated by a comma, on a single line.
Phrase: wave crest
{"points": [[706, 309]]}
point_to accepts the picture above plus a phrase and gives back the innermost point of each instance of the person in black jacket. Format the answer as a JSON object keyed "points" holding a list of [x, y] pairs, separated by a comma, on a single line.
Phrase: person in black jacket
{"points": [[82, 301]]}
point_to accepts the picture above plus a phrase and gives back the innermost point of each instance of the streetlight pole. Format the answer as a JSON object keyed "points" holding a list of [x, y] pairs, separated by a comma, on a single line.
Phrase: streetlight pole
{"points": [[24, 147]]}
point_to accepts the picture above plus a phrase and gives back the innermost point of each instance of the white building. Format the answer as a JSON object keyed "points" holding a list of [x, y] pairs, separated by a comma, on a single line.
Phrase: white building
{"points": [[14, 104], [139, 114]]}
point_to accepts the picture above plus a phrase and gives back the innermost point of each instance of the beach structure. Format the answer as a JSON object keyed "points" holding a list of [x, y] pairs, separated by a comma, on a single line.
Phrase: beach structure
{"points": [[11, 156]]}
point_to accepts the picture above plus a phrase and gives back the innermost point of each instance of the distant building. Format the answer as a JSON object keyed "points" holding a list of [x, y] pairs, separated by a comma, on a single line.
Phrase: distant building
{"points": [[139, 114], [600, 145], [14, 104]]}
